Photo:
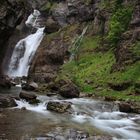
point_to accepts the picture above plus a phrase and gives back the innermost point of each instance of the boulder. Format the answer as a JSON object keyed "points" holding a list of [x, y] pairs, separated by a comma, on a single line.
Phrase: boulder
{"points": [[69, 90], [125, 107], [29, 86], [28, 96], [57, 106], [7, 102]]}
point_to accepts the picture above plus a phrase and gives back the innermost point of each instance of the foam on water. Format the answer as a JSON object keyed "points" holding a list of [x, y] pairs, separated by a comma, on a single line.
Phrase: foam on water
{"points": [[40, 108], [31, 21], [121, 126]]}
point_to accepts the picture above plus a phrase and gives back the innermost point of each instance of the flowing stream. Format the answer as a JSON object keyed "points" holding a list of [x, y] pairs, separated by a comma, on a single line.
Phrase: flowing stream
{"points": [[25, 49], [100, 119]]}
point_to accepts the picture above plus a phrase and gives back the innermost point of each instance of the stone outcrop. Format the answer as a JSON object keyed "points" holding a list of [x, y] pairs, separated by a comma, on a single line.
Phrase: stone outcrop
{"points": [[51, 54], [7, 102], [11, 14]]}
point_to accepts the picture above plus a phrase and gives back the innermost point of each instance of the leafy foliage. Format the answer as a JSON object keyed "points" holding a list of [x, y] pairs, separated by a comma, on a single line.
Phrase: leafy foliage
{"points": [[118, 24]]}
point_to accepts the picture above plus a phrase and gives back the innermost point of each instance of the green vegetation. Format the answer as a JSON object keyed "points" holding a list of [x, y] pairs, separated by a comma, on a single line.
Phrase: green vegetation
{"points": [[118, 24], [92, 72]]}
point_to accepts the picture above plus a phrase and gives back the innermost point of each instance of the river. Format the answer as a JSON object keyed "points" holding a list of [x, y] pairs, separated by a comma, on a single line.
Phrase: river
{"points": [[90, 120]]}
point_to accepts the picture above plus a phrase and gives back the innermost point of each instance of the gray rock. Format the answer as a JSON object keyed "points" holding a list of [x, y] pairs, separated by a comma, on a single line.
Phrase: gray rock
{"points": [[27, 95], [69, 90], [30, 86], [7, 102], [57, 106]]}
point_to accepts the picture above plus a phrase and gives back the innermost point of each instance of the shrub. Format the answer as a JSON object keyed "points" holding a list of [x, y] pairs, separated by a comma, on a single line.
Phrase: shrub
{"points": [[118, 24]]}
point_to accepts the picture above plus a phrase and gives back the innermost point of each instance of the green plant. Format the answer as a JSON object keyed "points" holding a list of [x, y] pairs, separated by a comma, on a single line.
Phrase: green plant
{"points": [[118, 24]]}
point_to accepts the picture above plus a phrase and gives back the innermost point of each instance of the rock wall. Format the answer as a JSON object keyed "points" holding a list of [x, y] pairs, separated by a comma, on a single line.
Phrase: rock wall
{"points": [[11, 15], [67, 13], [65, 20]]}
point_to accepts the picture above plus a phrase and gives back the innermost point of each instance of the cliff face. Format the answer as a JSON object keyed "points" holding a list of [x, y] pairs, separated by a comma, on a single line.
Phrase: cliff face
{"points": [[107, 59], [107, 55], [69, 18], [60, 14], [11, 15]]}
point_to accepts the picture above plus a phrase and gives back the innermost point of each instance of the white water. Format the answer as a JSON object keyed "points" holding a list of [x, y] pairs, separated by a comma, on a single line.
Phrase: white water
{"points": [[121, 126], [31, 21], [25, 49]]}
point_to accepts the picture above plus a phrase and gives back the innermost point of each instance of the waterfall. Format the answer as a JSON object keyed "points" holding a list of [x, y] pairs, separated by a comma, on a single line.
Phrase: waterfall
{"points": [[25, 49]]}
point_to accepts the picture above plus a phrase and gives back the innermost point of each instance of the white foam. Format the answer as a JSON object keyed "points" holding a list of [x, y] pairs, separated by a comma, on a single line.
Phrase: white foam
{"points": [[119, 125], [31, 21], [40, 108], [80, 118]]}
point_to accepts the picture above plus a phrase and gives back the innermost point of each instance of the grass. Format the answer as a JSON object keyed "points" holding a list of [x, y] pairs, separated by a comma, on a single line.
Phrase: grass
{"points": [[91, 73]]}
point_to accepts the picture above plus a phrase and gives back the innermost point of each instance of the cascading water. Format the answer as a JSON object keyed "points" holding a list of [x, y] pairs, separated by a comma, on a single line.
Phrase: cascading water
{"points": [[92, 113], [26, 48]]}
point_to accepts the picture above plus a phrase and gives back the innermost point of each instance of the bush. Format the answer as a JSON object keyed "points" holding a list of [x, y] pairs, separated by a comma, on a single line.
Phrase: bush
{"points": [[118, 24]]}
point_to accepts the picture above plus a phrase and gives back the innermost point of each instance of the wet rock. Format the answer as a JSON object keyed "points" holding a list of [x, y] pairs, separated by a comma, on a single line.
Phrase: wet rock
{"points": [[30, 86], [34, 101], [120, 86], [5, 82], [125, 107], [77, 134], [27, 96], [51, 26], [23, 108], [60, 107], [69, 90], [16, 97], [68, 134], [107, 98], [51, 94], [7, 102]]}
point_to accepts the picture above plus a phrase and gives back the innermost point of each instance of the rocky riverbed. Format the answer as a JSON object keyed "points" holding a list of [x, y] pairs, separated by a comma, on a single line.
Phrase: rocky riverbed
{"points": [[79, 119]]}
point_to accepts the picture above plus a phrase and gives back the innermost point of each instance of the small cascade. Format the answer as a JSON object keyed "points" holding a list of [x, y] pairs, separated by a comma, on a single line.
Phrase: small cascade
{"points": [[76, 44], [25, 49], [93, 114]]}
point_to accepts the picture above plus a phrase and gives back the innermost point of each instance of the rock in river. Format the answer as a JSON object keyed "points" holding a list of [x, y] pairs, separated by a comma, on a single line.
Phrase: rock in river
{"points": [[6, 101], [27, 95], [30, 86], [57, 106]]}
